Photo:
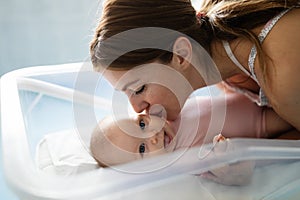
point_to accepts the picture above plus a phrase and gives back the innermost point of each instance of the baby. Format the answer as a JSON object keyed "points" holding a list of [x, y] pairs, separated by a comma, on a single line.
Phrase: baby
{"points": [[115, 142], [129, 139]]}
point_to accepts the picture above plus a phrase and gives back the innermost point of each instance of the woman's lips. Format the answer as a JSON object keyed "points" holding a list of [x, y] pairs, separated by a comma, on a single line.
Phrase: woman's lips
{"points": [[158, 111], [158, 114]]}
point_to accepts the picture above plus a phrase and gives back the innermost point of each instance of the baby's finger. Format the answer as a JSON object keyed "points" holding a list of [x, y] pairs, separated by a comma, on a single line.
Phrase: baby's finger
{"points": [[218, 138]]}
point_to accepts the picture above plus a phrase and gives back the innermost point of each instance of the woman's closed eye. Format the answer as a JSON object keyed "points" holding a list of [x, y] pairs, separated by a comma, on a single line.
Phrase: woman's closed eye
{"points": [[140, 90]]}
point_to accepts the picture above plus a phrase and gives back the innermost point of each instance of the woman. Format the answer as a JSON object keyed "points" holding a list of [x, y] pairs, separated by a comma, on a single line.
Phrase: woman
{"points": [[254, 45]]}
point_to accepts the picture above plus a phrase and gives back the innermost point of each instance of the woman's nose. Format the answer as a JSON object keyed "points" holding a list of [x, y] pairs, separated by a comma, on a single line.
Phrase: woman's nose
{"points": [[138, 105]]}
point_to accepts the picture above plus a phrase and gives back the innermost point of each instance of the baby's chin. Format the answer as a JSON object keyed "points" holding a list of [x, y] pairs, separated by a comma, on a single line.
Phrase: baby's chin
{"points": [[169, 146]]}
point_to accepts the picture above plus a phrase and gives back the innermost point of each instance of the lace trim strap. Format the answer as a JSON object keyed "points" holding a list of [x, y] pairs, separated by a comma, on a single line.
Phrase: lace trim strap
{"points": [[233, 58]]}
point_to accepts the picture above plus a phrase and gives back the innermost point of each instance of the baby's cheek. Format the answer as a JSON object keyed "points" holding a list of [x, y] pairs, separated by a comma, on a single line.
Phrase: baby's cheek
{"points": [[156, 152]]}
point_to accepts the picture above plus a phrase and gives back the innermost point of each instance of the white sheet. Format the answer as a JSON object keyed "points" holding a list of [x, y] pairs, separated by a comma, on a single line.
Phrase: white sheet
{"points": [[62, 153], [270, 181]]}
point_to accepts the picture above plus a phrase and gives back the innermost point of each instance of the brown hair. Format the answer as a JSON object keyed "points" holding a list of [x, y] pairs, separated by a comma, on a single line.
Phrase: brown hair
{"points": [[224, 20]]}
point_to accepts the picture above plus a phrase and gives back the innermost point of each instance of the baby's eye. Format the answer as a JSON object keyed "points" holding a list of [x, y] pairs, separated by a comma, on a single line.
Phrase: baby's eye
{"points": [[140, 90], [142, 124], [142, 148]]}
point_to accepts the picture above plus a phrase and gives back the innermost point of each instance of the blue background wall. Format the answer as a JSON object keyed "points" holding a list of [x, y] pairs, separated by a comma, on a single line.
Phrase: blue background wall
{"points": [[42, 32]]}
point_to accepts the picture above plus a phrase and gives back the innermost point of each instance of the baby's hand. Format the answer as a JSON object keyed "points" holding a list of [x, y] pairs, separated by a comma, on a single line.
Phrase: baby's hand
{"points": [[239, 173], [218, 138]]}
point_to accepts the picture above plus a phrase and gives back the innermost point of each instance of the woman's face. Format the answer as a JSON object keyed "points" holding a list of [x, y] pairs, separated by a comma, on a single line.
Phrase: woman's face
{"points": [[154, 88]]}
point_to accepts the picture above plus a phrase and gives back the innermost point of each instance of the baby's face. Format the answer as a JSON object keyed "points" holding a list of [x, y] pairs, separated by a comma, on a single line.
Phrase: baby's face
{"points": [[132, 139]]}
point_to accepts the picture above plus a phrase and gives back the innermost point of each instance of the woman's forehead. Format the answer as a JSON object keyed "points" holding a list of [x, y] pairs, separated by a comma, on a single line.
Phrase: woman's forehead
{"points": [[149, 73], [121, 79]]}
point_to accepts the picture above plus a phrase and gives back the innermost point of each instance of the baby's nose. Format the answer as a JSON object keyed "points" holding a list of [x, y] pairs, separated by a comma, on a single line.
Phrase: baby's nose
{"points": [[157, 138], [154, 140]]}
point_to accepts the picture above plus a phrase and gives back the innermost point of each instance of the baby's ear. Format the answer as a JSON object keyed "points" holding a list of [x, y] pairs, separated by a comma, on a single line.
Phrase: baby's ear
{"points": [[182, 50]]}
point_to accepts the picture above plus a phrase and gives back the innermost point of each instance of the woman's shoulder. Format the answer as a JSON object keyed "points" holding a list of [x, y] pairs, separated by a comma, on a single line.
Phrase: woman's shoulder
{"points": [[289, 21], [285, 31], [282, 83], [282, 47]]}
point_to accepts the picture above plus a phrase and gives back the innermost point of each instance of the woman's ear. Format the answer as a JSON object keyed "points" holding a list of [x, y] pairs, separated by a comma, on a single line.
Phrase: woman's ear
{"points": [[182, 51]]}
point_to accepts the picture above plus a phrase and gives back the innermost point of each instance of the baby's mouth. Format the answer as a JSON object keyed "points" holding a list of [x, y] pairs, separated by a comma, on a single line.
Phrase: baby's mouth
{"points": [[167, 139]]}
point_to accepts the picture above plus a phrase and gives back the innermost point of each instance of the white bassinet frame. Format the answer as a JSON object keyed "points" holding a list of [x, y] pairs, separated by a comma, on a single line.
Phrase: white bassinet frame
{"points": [[30, 183]]}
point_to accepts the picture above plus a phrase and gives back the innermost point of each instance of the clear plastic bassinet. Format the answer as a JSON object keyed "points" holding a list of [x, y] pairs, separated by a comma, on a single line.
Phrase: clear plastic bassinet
{"points": [[46, 102]]}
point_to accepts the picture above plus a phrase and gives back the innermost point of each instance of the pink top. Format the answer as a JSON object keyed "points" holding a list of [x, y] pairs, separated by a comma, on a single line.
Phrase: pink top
{"points": [[243, 119]]}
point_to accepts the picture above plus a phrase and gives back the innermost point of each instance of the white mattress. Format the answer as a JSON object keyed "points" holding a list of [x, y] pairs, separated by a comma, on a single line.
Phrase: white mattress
{"points": [[62, 153]]}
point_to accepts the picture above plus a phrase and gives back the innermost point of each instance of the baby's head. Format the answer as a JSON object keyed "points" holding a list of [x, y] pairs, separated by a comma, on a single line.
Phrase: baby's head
{"points": [[120, 141]]}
